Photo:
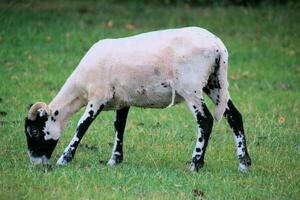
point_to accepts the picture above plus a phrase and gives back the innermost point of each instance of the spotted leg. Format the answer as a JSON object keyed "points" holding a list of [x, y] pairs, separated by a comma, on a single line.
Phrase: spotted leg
{"points": [[92, 110], [119, 124], [204, 123], [235, 121]]}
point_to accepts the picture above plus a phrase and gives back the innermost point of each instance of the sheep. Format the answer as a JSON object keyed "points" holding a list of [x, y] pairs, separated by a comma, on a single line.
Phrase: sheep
{"points": [[151, 70]]}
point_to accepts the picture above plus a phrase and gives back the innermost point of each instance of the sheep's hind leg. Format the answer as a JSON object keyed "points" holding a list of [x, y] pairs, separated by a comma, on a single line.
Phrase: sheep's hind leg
{"points": [[119, 124], [235, 121], [205, 123], [92, 110]]}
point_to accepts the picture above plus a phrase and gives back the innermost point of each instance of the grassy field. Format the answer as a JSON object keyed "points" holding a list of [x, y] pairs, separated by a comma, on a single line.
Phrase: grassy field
{"points": [[41, 44]]}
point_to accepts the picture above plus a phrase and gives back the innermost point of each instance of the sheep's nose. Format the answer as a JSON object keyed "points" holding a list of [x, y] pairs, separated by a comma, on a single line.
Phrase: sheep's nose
{"points": [[38, 160]]}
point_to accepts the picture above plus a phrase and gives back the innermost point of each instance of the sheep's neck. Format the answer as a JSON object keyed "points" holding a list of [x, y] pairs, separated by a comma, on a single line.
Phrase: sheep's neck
{"points": [[66, 103]]}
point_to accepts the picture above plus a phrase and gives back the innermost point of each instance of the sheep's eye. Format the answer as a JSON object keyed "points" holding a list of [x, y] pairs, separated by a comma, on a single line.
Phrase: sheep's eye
{"points": [[34, 132]]}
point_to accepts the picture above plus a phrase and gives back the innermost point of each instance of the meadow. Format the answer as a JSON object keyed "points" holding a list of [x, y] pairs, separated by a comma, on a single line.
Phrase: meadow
{"points": [[42, 42]]}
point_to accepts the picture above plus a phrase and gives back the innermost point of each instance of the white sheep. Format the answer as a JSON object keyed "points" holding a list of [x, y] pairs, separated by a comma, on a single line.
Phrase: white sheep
{"points": [[150, 70]]}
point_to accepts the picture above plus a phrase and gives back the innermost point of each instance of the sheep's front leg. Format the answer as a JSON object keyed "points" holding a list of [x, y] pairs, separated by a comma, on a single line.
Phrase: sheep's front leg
{"points": [[91, 112], [205, 123], [234, 119], [119, 124]]}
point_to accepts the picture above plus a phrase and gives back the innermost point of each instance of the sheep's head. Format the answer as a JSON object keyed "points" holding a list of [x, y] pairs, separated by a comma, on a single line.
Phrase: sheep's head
{"points": [[41, 133]]}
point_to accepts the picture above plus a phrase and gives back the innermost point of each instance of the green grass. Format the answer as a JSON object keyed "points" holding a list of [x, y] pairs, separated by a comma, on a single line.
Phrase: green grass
{"points": [[41, 44]]}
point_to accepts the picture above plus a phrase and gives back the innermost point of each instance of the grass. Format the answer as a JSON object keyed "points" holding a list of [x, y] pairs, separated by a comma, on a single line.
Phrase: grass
{"points": [[41, 44]]}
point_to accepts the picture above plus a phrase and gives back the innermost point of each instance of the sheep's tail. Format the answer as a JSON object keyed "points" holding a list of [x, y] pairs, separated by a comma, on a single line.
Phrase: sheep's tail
{"points": [[173, 94], [221, 72]]}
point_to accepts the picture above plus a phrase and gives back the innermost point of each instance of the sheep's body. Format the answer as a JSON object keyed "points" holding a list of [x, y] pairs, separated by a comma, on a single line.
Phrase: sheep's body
{"points": [[153, 70], [143, 70]]}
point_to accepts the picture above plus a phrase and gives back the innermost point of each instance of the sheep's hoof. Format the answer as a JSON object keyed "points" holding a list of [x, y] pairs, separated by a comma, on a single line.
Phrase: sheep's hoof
{"points": [[112, 162], [245, 162], [243, 168], [115, 160], [196, 165], [193, 168], [61, 161]]}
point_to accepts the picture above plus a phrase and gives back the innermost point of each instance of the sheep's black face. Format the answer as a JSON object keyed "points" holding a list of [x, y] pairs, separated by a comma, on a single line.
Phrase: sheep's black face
{"points": [[40, 145]]}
